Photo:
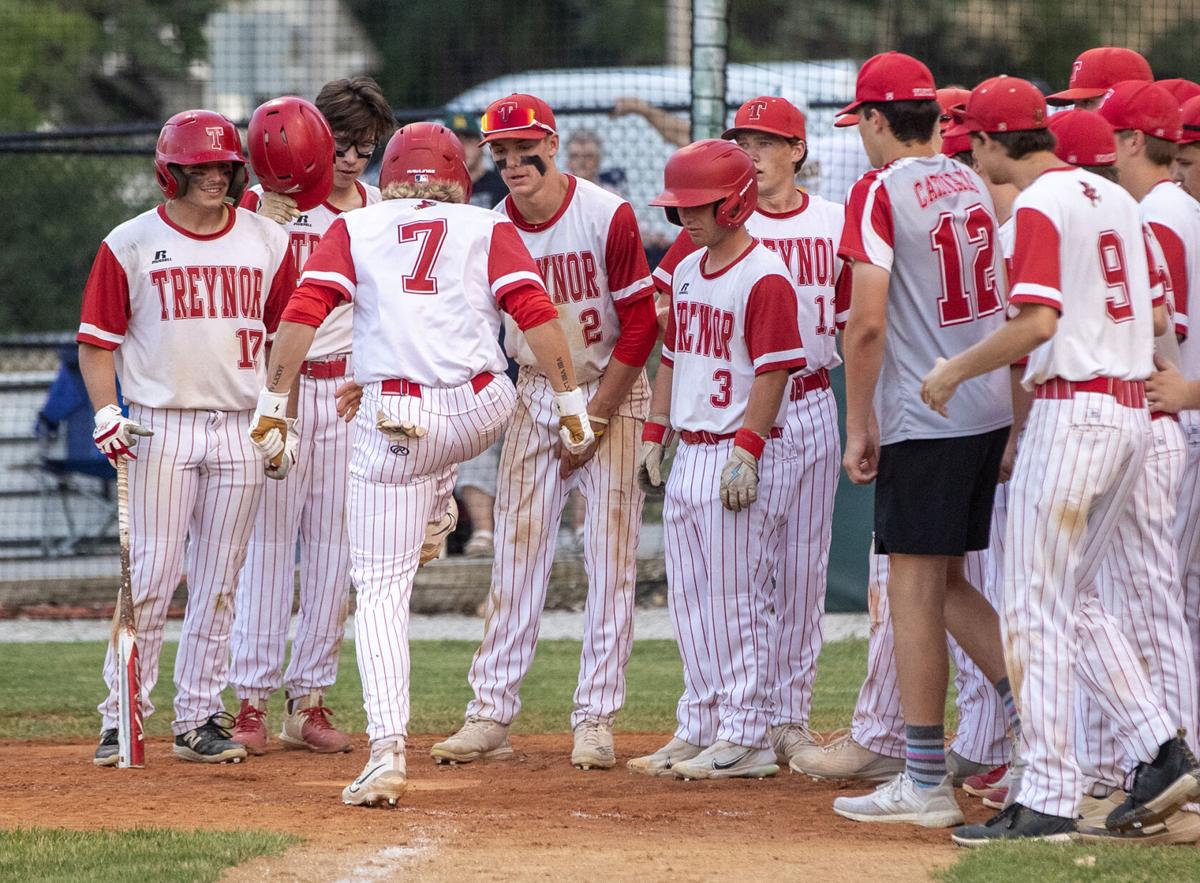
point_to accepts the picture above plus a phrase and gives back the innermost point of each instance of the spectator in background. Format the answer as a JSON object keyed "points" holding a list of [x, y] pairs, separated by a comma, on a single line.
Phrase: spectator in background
{"points": [[584, 154], [487, 187], [674, 129]]}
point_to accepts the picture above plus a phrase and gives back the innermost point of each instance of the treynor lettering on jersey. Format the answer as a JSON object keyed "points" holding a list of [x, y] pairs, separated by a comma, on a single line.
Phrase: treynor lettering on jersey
{"points": [[211, 292]]}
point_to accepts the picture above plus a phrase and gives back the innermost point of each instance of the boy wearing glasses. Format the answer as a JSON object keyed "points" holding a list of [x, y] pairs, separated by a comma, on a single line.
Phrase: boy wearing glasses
{"points": [[309, 503]]}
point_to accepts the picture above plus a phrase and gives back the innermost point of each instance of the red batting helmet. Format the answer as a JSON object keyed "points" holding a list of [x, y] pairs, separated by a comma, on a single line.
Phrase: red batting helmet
{"points": [[422, 152], [291, 150], [706, 172], [193, 137]]}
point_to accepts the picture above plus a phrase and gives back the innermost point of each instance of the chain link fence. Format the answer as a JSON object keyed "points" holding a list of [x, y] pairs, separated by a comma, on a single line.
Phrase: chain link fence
{"points": [[86, 87]]}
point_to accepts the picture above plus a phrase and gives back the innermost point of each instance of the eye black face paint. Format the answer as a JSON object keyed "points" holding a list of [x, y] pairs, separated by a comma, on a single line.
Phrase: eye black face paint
{"points": [[536, 161]]}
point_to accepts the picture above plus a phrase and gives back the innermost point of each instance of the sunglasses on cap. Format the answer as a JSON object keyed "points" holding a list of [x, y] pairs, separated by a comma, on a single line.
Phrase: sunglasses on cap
{"points": [[507, 118]]}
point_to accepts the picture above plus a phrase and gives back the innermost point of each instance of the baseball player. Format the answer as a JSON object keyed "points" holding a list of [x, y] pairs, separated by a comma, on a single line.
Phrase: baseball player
{"points": [[1079, 249], [928, 282], [732, 339], [803, 230], [427, 277], [310, 504], [588, 249], [179, 304], [1098, 70]]}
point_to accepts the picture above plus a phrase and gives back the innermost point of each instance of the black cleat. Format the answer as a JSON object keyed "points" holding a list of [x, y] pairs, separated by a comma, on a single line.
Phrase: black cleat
{"points": [[1017, 822], [107, 750], [210, 742], [1160, 788]]}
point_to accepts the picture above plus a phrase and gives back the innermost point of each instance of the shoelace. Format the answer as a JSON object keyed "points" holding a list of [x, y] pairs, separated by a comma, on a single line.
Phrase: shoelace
{"points": [[221, 723], [318, 716], [249, 717], [591, 734]]}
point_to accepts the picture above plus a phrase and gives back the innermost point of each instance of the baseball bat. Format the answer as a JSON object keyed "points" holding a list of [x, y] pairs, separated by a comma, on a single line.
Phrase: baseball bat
{"points": [[131, 744]]}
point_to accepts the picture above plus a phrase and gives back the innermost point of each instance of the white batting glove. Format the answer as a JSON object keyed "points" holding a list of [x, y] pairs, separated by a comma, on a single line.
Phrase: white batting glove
{"points": [[268, 428], [574, 427], [398, 430], [279, 208], [739, 480], [290, 446], [656, 436], [116, 435]]}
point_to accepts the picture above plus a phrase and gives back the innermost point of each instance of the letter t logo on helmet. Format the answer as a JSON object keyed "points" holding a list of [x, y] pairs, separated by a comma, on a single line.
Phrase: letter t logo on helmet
{"points": [[214, 134]]}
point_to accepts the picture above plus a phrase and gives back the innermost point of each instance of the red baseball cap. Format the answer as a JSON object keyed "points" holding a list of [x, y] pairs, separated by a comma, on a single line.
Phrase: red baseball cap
{"points": [[770, 114], [1183, 90], [519, 116], [1084, 138], [1097, 70], [1146, 107], [892, 76], [1191, 121], [950, 100], [1002, 104]]}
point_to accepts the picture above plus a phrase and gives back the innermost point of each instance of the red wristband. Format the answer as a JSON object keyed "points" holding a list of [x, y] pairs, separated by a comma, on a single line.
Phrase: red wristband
{"points": [[654, 432], [750, 441]]}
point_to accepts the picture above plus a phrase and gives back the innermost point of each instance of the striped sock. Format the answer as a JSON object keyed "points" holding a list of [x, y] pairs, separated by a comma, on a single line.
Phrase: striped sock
{"points": [[1010, 707], [925, 760]]}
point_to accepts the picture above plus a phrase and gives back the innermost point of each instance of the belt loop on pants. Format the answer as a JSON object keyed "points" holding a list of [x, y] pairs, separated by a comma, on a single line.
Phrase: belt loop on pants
{"points": [[1129, 393], [323, 370], [711, 438], [407, 388], [803, 384]]}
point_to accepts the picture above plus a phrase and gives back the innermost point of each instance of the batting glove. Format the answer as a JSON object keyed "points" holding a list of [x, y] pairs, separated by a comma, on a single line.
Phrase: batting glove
{"points": [[279, 208], [290, 446], [398, 430], [650, 458], [116, 435], [739, 477], [574, 427], [268, 429]]}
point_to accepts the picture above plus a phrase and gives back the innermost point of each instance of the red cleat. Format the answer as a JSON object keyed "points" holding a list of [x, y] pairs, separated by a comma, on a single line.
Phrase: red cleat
{"points": [[980, 785], [306, 725], [250, 728]]}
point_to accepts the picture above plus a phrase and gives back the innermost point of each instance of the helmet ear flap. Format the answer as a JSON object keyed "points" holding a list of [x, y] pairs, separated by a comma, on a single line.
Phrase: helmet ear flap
{"points": [[180, 179], [238, 182], [673, 215]]}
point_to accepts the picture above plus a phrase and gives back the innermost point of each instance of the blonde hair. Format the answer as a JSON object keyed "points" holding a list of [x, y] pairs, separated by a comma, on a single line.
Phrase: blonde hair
{"points": [[438, 191]]}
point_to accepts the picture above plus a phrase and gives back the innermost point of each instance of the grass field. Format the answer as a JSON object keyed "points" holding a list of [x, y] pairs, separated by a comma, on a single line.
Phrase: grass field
{"points": [[49, 692]]}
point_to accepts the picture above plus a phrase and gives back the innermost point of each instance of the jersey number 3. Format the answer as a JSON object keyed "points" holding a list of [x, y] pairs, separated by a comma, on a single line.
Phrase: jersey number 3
{"points": [[968, 293], [429, 236]]}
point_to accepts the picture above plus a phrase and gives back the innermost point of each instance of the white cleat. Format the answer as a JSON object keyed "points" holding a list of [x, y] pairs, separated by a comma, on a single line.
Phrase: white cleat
{"points": [[789, 740], [478, 739], [383, 780], [593, 749], [724, 760], [436, 533], [901, 801], [662, 762]]}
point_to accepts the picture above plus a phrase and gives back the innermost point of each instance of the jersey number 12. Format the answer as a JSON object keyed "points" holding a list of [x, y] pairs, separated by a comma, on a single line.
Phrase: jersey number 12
{"points": [[968, 292]]}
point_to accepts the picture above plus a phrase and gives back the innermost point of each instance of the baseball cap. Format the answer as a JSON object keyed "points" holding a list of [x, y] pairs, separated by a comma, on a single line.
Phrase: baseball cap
{"points": [[1191, 121], [462, 124], [891, 76], [950, 100], [1002, 104], [1097, 70], [519, 116], [1084, 138], [770, 114], [1183, 90], [846, 120], [1146, 107]]}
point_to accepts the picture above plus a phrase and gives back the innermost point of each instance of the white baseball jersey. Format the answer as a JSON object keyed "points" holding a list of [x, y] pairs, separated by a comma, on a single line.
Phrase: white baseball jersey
{"points": [[188, 314], [1097, 277], [1174, 219], [929, 222], [304, 233], [806, 239], [591, 259], [725, 329], [428, 280]]}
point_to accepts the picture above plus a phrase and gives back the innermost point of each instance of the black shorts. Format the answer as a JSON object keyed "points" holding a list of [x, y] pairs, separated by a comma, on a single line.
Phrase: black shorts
{"points": [[934, 496]]}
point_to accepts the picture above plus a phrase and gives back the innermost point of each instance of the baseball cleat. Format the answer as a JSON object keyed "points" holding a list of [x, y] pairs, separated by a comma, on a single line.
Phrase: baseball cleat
{"points": [[724, 760], [306, 725], [843, 758], [1016, 823], [997, 798], [1181, 828], [1093, 810], [982, 784], [383, 780], [250, 728], [593, 748], [789, 740], [902, 801], [108, 749], [210, 742], [662, 762], [1160, 788], [478, 739], [436, 533]]}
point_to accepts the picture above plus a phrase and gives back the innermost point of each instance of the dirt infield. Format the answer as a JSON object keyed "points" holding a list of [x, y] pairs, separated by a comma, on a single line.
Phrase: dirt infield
{"points": [[533, 818]]}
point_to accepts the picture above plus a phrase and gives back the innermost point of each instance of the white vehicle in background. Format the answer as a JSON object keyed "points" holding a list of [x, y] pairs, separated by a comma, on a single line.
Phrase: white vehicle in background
{"points": [[583, 98]]}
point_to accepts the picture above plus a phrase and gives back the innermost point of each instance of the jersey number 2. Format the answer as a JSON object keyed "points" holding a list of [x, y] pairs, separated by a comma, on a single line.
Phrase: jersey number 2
{"points": [[967, 293], [429, 235]]}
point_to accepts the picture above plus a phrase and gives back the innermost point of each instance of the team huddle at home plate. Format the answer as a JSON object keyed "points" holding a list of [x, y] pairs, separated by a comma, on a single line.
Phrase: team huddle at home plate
{"points": [[308, 361]]}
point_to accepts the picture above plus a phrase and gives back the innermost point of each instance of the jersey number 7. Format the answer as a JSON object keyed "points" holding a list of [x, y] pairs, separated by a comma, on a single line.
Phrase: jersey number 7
{"points": [[968, 292], [429, 236]]}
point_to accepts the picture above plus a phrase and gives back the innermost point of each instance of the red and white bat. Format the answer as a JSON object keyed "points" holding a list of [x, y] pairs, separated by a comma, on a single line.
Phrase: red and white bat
{"points": [[131, 743]]}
